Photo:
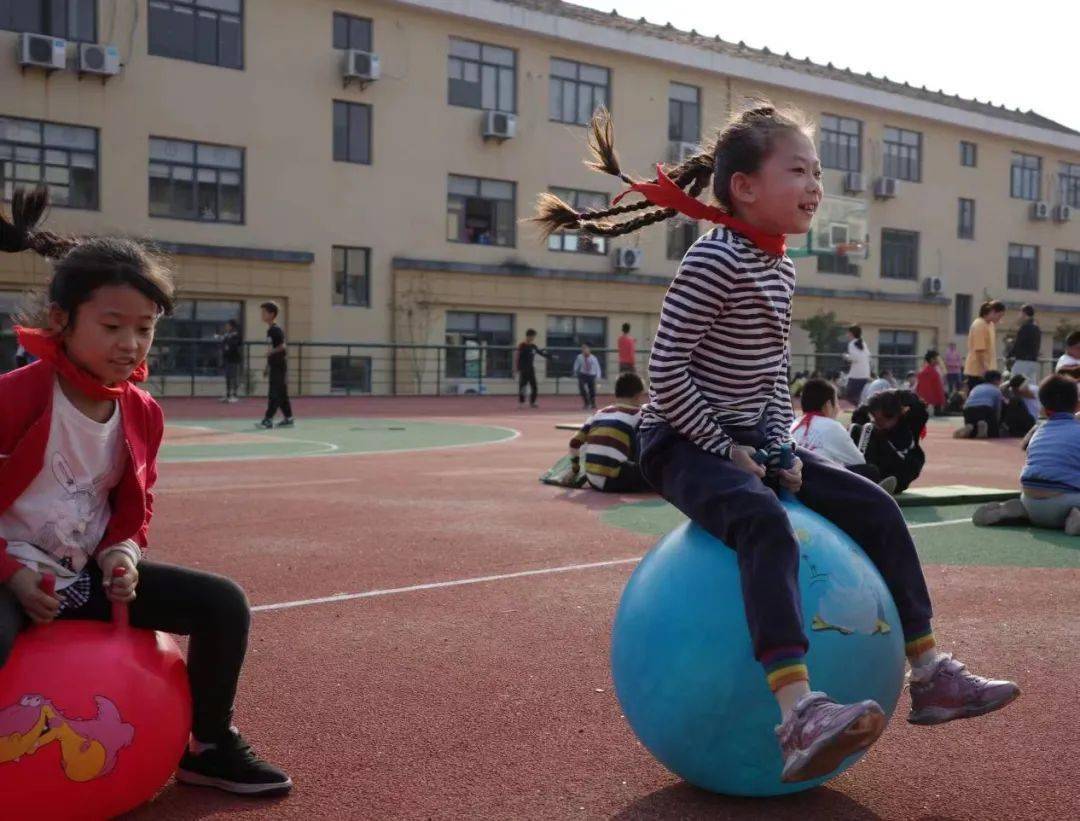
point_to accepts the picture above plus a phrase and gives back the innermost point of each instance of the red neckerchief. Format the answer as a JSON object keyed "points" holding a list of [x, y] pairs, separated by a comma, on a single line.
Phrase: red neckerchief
{"points": [[806, 420], [666, 194], [47, 346]]}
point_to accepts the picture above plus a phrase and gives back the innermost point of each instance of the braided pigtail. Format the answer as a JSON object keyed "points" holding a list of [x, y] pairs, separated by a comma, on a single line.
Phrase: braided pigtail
{"points": [[20, 232]]}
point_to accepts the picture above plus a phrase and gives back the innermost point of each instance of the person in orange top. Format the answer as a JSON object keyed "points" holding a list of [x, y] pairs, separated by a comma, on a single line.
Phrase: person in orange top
{"points": [[982, 342], [627, 347], [928, 383]]}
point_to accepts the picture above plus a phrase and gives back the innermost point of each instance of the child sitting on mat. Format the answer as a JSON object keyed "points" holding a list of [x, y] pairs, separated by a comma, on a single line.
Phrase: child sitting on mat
{"points": [[1050, 481], [982, 410], [78, 445], [719, 388]]}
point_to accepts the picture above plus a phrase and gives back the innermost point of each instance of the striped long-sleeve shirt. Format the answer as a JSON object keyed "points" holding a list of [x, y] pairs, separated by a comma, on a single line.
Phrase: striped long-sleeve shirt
{"points": [[720, 356], [608, 441]]}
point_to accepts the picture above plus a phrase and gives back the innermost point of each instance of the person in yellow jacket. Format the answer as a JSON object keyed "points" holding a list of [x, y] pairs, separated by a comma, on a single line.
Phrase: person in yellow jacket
{"points": [[982, 342]]}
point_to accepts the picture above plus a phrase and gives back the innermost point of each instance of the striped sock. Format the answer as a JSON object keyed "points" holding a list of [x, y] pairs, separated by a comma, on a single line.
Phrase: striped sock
{"points": [[918, 644], [784, 666]]}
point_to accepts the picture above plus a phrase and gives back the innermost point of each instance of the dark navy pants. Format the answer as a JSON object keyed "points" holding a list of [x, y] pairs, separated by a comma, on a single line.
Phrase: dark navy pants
{"points": [[744, 512]]}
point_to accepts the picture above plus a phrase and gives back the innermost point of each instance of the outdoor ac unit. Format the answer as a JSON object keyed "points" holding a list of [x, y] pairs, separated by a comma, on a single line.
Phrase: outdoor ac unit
{"points": [[933, 286], [1040, 210], [361, 65], [854, 183], [886, 187], [1062, 213], [680, 152], [499, 125], [42, 51], [628, 259], [97, 59]]}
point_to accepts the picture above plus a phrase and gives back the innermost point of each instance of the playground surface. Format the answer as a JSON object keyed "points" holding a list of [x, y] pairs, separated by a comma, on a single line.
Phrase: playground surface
{"points": [[431, 627]]}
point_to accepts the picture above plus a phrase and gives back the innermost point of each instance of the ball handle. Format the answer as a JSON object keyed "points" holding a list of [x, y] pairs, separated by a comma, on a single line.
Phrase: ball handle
{"points": [[119, 609], [48, 584]]}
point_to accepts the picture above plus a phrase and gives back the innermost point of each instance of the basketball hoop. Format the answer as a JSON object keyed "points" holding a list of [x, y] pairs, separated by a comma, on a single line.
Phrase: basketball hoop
{"points": [[849, 248]]}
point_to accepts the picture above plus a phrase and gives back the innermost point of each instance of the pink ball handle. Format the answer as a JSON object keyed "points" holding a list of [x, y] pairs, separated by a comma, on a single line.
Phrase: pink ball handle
{"points": [[119, 609]]}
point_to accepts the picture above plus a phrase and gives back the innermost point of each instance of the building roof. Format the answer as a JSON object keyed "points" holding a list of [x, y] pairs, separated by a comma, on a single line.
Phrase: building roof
{"points": [[668, 32]]}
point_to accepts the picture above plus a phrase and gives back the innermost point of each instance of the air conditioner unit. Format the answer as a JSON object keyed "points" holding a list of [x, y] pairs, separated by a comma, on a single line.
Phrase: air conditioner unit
{"points": [[98, 59], [499, 125], [886, 187], [1040, 210], [362, 66], [854, 183], [933, 286], [42, 51], [680, 152], [1062, 213], [628, 259]]}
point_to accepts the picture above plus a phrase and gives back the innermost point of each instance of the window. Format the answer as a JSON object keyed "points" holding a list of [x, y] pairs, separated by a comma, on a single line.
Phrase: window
{"points": [[70, 19], [1023, 267], [63, 157], [962, 313], [351, 280], [681, 234], [577, 90], [829, 262], [479, 344], [841, 143], [896, 351], [352, 132], [184, 342], [196, 181], [903, 154], [482, 76], [1067, 272], [965, 228], [205, 31], [10, 305], [480, 212], [969, 154], [572, 332], [684, 113], [572, 240], [1026, 179], [350, 374], [899, 254], [1069, 184], [352, 32]]}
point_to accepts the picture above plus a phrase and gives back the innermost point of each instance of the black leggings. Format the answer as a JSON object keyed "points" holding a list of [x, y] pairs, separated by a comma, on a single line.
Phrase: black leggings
{"points": [[211, 609], [278, 395], [527, 379]]}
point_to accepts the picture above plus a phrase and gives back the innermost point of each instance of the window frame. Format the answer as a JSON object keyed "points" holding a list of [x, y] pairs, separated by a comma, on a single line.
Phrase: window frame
{"points": [[577, 84], [842, 146], [679, 105], [481, 64], [494, 366], [1020, 277], [349, 19], [345, 290], [889, 360], [48, 28], [1022, 176], [348, 389], [513, 210], [967, 147], [195, 166], [1071, 273], [349, 106], [196, 8], [888, 241], [673, 227], [969, 224], [572, 197], [962, 313], [43, 165], [165, 358], [1069, 184], [554, 367], [901, 159]]}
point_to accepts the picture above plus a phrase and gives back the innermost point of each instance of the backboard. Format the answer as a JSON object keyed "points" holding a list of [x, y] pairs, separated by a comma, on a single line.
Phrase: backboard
{"points": [[840, 227]]}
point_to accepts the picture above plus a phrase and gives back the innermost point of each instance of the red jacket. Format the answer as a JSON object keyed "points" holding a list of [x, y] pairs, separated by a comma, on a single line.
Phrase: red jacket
{"points": [[25, 415], [929, 387]]}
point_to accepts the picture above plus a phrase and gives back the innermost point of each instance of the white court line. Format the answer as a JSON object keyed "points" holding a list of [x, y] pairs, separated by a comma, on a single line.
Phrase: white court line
{"points": [[543, 571]]}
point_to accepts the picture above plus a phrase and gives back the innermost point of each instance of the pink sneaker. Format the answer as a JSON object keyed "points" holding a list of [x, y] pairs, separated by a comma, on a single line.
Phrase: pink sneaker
{"points": [[950, 692], [819, 734]]}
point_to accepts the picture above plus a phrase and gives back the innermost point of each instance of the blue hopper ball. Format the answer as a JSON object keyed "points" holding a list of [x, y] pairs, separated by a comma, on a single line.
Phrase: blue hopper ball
{"points": [[684, 668]]}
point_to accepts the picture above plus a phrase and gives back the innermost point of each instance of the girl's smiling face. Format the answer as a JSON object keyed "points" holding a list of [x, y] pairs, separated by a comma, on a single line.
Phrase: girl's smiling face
{"points": [[783, 195], [110, 333]]}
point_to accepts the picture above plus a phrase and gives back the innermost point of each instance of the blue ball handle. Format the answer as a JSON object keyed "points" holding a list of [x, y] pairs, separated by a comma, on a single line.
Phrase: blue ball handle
{"points": [[785, 461]]}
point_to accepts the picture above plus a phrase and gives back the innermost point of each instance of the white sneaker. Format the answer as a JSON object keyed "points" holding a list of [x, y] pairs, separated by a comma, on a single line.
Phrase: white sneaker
{"points": [[993, 513], [233, 400], [982, 429]]}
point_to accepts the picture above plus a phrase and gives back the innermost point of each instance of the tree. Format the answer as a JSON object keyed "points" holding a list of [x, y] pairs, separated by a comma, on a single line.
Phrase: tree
{"points": [[415, 309], [826, 335]]}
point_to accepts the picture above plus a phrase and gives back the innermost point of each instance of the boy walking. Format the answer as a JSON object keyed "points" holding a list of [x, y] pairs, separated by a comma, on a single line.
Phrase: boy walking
{"points": [[231, 355], [276, 367], [525, 365], [587, 371]]}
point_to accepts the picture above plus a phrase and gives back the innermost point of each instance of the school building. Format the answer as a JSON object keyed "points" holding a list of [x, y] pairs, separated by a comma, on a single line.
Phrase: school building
{"points": [[368, 164]]}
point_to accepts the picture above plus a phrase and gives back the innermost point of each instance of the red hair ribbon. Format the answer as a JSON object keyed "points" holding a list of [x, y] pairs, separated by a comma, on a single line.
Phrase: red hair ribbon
{"points": [[48, 346], [666, 194]]}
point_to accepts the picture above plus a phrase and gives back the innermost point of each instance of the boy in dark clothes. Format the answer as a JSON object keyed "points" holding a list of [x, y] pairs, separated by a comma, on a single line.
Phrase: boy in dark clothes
{"points": [[888, 430], [232, 349], [278, 395], [525, 365]]}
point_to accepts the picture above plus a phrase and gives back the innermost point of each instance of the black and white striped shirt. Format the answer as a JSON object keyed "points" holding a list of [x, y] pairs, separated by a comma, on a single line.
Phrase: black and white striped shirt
{"points": [[720, 357]]}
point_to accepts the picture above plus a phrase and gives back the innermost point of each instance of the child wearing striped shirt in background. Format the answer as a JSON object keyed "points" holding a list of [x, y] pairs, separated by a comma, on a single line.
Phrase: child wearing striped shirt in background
{"points": [[609, 440], [719, 392]]}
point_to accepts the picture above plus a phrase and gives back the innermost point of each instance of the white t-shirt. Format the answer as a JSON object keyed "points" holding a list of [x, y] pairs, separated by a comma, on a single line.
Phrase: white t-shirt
{"points": [[827, 437], [58, 521], [859, 359], [877, 386], [1067, 363]]}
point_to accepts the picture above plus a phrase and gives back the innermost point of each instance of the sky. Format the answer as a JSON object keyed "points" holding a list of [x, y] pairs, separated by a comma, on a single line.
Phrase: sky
{"points": [[1023, 55]]}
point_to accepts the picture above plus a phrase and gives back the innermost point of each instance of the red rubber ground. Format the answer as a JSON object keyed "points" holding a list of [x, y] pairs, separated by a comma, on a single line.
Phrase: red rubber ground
{"points": [[494, 700]]}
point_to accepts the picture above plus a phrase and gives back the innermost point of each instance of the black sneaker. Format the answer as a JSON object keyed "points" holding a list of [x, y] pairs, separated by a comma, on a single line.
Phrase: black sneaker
{"points": [[265, 423], [286, 423], [232, 766]]}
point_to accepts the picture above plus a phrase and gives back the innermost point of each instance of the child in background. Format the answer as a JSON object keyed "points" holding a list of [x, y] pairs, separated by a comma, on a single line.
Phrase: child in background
{"points": [[232, 352], [882, 383], [982, 410], [719, 392], [627, 351], [587, 371], [79, 441], [276, 369], [928, 384], [525, 365], [1021, 407], [954, 369], [858, 357], [609, 440], [1069, 362], [1050, 481], [888, 431], [818, 432]]}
